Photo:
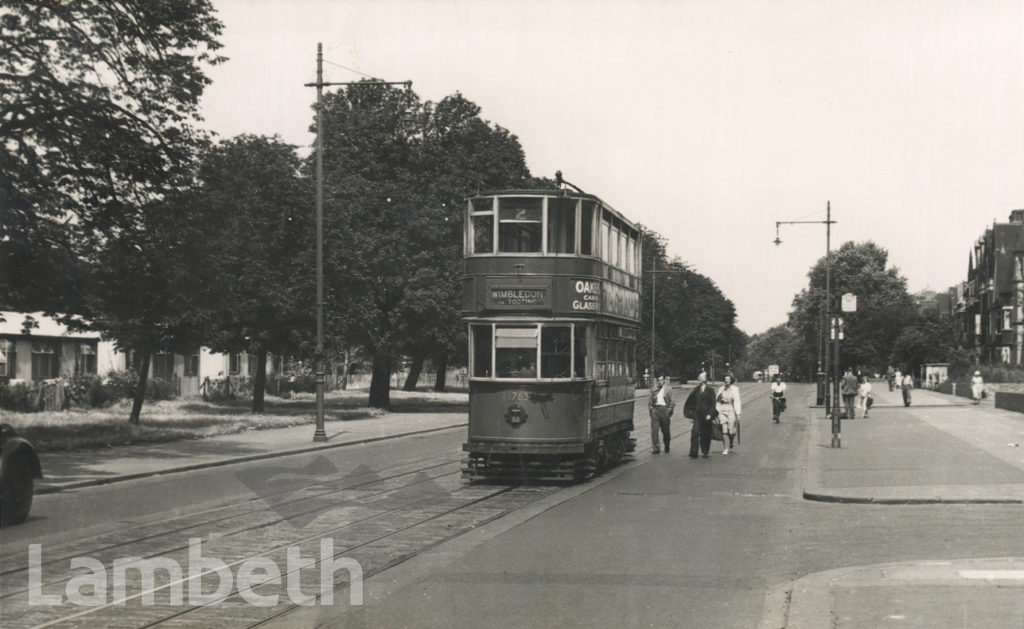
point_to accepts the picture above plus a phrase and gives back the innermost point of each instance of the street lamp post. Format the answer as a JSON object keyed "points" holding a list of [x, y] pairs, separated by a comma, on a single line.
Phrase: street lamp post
{"points": [[320, 433], [830, 410]]}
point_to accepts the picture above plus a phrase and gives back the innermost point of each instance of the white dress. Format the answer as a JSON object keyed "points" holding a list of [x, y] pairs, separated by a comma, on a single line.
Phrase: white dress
{"points": [[728, 405]]}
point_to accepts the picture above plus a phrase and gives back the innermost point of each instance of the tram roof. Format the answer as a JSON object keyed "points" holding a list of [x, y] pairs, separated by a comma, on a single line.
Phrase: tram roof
{"points": [[553, 193]]}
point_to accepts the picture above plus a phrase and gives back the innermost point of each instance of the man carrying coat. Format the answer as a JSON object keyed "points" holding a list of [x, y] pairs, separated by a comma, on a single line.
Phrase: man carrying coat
{"points": [[700, 409], [661, 407]]}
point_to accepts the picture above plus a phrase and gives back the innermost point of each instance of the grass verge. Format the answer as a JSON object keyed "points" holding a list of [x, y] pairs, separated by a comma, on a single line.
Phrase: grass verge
{"points": [[196, 419]]}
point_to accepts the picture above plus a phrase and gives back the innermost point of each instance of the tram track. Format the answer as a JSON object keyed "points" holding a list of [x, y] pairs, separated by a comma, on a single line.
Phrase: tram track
{"points": [[380, 522]]}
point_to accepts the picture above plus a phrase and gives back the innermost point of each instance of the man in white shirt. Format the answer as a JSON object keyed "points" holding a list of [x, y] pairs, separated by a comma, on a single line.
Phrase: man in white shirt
{"points": [[661, 406]]}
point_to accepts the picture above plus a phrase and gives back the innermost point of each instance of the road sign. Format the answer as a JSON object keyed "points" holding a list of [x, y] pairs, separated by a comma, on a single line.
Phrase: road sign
{"points": [[849, 302]]}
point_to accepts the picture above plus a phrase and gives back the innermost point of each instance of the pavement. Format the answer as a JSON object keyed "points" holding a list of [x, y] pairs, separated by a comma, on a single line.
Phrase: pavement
{"points": [[946, 450]]}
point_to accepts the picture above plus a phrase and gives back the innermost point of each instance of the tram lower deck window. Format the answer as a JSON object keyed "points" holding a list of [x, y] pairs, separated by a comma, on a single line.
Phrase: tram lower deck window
{"points": [[515, 351]]}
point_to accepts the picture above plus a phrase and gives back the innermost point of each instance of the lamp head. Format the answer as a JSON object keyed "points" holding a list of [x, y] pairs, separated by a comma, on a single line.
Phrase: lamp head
{"points": [[778, 241]]}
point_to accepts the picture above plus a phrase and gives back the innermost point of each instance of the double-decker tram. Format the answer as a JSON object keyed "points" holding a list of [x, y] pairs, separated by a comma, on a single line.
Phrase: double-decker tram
{"points": [[551, 296]]}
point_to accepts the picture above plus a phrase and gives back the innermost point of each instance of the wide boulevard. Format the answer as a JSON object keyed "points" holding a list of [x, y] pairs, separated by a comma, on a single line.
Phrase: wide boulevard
{"points": [[659, 541]]}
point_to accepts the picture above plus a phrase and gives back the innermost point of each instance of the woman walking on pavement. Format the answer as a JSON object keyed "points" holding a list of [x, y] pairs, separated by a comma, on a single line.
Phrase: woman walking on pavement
{"points": [[778, 397], [977, 387], [908, 385], [864, 395], [727, 403]]}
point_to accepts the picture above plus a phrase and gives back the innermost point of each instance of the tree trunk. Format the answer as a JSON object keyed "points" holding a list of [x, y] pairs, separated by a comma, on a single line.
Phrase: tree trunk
{"points": [[259, 383], [414, 374], [344, 370], [380, 383], [140, 387], [441, 366]]}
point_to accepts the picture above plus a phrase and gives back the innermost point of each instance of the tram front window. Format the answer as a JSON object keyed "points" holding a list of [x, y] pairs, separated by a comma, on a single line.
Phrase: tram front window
{"points": [[481, 351], [515, 352], [556, 356]]}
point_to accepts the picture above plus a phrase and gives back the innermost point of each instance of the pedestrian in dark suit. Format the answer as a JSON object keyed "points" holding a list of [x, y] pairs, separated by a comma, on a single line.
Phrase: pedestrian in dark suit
{"points": [[700, 409]]}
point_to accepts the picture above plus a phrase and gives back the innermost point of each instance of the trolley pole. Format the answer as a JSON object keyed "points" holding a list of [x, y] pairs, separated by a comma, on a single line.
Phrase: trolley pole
{"points": [[320, 433]]}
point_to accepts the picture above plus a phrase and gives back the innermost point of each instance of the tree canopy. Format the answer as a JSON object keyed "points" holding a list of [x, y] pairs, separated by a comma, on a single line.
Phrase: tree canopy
{"points": [[395, 173], [694, 323], [883, 308], [98, 112]]}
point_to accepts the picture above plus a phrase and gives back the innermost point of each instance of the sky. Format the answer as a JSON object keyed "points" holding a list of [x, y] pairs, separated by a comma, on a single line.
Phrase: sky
{"points": [[705, 120]]}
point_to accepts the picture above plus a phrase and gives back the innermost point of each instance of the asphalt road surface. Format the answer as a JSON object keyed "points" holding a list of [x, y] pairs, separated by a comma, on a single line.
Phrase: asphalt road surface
{"points": [[660, 541]]}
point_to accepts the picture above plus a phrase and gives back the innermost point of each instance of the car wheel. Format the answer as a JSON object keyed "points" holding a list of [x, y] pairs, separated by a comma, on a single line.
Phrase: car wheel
{"points": [[16, 493]]}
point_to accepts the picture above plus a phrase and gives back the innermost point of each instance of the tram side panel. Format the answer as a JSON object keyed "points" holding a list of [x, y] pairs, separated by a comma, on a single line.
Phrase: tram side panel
{"points": [[613, 406]]}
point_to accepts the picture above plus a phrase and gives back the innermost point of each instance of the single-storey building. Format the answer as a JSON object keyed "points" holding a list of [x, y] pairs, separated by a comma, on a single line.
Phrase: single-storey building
{"points": [[35, 347]]}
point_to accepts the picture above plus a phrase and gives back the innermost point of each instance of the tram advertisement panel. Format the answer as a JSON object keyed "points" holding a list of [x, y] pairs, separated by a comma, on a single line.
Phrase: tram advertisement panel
{"points": [[571, 295]]}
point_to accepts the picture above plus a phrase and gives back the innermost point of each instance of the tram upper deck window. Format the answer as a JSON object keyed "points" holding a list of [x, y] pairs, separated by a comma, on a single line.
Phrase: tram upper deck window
{"points": [[587, 228], [520, 224], [482, 220], [561, 225], [515, 351]]}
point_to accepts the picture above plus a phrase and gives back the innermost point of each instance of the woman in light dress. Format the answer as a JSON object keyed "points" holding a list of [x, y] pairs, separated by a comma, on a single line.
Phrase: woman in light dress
{"points": [[863, 394], [727, 402], [977, 386]]}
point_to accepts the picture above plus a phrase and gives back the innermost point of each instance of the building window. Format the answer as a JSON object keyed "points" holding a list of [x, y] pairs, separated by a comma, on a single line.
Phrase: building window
{"points": [[163, 366], [251, 364], [234, 363], [8, 359], [1007, 318], [45, 360], [85, 359], [192, 363]]}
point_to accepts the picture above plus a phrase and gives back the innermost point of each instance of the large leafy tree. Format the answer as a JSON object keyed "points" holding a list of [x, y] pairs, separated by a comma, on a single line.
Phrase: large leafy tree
{"points": [[884, 307], [255, 212], [97, 105], [396, 172], [459, 153]]}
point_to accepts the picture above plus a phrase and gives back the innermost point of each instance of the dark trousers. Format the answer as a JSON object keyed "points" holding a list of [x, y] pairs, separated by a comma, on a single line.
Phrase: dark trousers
{"points": [[848, 401], [700, 436], [661, 421]]}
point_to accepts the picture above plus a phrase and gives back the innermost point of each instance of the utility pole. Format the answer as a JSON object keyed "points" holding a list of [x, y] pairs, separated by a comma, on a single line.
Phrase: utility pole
{"points": [[320, 433]]}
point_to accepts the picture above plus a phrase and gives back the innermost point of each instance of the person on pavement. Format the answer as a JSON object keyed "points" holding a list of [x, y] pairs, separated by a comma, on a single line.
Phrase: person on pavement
{"points": [[890, 375], [977, 387], [778, 397], [661, 407], [864, 396], [729, 408], [700, 409], [848, 389], [908, 385]]}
